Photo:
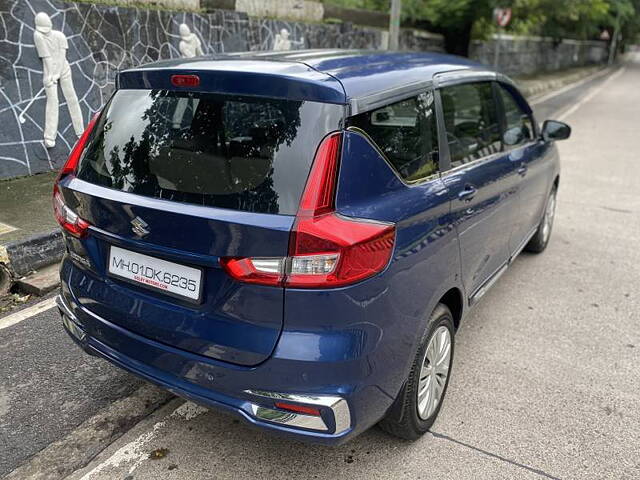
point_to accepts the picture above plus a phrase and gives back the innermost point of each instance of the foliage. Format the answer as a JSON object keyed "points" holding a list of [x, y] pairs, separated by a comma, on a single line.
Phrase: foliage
{"points": [[578, 19]]}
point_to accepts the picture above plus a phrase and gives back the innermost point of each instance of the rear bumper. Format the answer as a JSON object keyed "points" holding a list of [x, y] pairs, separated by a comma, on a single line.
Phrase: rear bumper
{"points": [[248, 392]]}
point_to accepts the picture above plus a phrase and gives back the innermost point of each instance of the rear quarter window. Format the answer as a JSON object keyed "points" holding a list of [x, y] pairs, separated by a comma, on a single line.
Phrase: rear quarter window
{"points": [[241, 153], [406, 132]]}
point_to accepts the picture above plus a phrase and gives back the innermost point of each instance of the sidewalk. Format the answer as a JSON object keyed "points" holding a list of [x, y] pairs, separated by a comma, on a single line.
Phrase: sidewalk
{"points": [[534, 86], [25, 207], [30, 239]]}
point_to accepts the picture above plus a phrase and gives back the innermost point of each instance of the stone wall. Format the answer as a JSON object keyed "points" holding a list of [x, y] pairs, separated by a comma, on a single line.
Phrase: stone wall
{"points": [[300, 10], [529, 55], [169, 4]]}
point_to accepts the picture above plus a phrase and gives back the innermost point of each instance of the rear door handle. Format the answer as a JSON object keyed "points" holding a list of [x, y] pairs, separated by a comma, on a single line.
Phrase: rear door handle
{"points": [[522, 171], [468, 193]]}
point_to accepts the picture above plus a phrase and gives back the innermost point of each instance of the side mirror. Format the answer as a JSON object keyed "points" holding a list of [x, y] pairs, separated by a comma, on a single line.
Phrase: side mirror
{"points": [[553, 130]]}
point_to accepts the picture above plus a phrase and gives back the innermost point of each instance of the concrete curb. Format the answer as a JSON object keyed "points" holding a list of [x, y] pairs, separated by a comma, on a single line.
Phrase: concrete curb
{"points": [[533, 89], [32, 253]]}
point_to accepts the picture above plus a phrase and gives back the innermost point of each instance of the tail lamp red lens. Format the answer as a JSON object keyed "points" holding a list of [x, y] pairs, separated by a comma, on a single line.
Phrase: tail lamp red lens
{"points": [[325, 249], [66, 217], [185, 80], [71, 165]]}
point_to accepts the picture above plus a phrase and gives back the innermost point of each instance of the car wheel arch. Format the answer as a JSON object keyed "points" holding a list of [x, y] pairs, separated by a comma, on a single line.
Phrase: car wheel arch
{"points": [[453, 299]]}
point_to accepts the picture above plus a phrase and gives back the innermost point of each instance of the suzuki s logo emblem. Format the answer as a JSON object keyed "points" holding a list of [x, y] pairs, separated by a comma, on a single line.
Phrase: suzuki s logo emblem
{"points": [[140, 227]]}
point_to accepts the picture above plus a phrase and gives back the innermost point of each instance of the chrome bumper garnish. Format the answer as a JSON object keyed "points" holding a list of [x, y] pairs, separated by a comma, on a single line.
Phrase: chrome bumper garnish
{"points": [[337, 405]]}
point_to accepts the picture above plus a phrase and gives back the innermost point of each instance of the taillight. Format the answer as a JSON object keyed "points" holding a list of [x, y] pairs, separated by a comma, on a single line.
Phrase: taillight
{"points": [[71, 165], [325, 249], [332, 251], [66, 217], [264, 271]]}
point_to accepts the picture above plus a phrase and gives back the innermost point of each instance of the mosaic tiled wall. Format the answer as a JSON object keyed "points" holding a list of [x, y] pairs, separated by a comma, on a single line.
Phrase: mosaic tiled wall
{"points": [[103, 39]]}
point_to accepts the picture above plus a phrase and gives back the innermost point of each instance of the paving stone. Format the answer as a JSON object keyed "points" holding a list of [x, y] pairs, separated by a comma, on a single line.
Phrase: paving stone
{"points": [[41, 282]]}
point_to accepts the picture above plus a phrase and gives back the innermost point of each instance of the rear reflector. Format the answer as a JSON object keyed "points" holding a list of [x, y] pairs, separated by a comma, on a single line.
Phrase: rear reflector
{"points": [[325, 249], [185, 80], [292, 407]]}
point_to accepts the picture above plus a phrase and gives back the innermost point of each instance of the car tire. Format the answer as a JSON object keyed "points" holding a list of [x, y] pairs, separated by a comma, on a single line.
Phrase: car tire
{"points": [[540, 239], [408, 418]]}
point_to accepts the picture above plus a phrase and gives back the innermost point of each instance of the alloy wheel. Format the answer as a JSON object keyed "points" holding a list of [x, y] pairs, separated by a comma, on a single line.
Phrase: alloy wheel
{"points": [[434, 372], [549, 213]]}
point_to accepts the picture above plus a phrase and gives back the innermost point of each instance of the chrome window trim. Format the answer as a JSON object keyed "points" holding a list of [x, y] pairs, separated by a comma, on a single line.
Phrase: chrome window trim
{"points": [[371, 141], [387, 97], [472, 163]]}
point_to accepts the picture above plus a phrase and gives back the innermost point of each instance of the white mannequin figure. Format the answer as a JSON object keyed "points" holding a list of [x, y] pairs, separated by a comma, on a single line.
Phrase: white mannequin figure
{"points": [[282, 41], [190, 45], [52, 46]]}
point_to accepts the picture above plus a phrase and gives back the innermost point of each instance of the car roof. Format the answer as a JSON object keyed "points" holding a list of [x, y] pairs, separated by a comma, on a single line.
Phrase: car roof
{"points": [[335, 74]]}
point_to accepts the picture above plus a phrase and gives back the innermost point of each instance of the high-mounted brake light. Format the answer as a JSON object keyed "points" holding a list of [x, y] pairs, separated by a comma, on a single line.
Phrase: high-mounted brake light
{"points": [[325, 249], [66, 217], [185, 80]]}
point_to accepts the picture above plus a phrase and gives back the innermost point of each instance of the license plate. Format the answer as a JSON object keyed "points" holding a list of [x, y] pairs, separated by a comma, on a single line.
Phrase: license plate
{"points": [[168, 277]]}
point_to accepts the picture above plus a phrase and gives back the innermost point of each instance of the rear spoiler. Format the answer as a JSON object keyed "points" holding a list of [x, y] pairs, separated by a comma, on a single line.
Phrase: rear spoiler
{"points": [[289, 81]]}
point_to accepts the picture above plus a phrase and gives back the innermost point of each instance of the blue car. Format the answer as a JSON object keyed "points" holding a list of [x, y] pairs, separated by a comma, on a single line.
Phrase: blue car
{"points": [[295, 237]]}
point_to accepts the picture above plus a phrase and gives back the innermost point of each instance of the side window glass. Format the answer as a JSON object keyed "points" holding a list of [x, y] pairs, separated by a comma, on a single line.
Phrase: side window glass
{"points": [[407, 133], [471, 122], [518, 127]]}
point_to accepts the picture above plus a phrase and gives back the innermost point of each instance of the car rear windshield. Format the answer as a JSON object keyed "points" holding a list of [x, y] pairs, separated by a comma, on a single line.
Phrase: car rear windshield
{"points": [[241, 153]]}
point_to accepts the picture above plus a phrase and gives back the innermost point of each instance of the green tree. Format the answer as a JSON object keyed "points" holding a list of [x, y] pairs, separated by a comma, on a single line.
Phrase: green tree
{"points": [[454, 19], [460, 20]]}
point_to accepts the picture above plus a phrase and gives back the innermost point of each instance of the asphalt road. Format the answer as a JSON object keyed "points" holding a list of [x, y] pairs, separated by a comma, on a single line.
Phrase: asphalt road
{"points": [[48, 387], [545, 380]]}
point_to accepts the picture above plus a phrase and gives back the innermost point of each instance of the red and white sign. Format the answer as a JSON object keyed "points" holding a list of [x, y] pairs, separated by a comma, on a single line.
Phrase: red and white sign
{"points": [[502, 16]]}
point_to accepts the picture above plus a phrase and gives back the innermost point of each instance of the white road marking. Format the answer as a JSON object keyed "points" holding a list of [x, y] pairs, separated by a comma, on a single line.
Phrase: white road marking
{"points": [[135, 452], [6, 228], [17, 317], [595, 91]]}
